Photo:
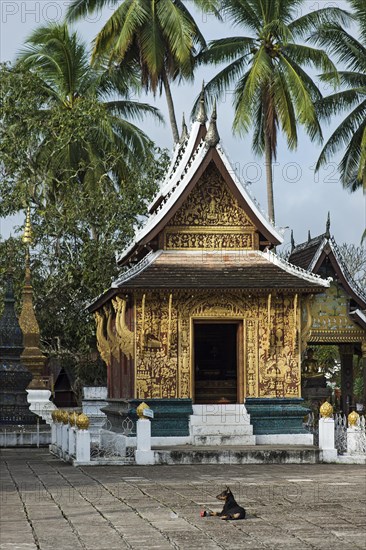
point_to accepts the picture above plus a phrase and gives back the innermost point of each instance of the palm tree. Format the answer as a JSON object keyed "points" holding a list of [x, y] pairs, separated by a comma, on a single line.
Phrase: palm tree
{"points": [[272, 91], [60, 59], [160, 35], [351, 133]]}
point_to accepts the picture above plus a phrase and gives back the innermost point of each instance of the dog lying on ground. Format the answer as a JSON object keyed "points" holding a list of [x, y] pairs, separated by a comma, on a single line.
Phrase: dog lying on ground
{"points": [[231, 509]]}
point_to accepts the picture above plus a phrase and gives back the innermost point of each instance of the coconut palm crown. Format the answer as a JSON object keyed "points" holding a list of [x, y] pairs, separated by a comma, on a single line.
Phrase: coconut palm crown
{"points": [[161, 36], [61, 60], [351, 133], [266, 71]]}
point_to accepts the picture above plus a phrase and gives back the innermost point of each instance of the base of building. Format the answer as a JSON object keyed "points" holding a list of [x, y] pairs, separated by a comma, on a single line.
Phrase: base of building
{"points": [[285, 439], [279, 415], [171, 416]]}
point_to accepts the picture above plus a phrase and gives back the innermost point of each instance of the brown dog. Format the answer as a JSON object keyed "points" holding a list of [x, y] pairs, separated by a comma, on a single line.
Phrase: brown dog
{"points": [[231, 509]]}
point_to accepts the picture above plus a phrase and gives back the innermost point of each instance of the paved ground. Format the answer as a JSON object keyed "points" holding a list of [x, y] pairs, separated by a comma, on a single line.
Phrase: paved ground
{"points": [[47, 504]]}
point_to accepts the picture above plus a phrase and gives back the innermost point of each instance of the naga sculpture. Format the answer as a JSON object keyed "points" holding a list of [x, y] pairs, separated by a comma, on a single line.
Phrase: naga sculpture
{"points": [[126, 337]]}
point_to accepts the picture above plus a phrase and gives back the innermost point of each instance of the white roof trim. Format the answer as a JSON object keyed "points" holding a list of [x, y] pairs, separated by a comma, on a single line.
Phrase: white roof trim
{"points": [[171, 177], [138, 268], [247, 197], [159, 214], [318, 254], [295, 270], [360, 314], [337, 254], [179, 181]]}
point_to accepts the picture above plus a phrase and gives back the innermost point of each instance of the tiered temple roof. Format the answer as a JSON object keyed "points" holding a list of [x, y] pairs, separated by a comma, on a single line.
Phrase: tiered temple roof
{"points": [[148, 261], [321, 255]]}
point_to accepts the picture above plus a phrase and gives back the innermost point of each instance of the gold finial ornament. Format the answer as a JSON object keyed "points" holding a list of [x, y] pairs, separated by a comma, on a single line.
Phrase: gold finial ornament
{"points": [[353, 419], [28, 234], [54, 415], [58, 413], [64, 417], [326, 410], [82, 422], [73, 416], [141, 408]]}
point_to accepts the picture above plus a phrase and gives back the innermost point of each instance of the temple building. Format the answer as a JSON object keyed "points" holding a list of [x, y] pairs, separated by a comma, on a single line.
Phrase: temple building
{"points": [[337, 316], [205, 315]]}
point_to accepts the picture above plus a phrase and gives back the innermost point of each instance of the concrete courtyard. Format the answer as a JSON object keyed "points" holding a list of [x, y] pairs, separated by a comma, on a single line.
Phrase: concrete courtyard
{"points": [[47, 504]]}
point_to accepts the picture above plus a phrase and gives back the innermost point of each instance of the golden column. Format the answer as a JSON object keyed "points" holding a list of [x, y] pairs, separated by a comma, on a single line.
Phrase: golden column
{"points": [[32, 357]]}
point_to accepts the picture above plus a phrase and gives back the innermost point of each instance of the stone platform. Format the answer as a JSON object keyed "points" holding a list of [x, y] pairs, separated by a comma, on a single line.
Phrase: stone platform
{"points": [[248, 454]]}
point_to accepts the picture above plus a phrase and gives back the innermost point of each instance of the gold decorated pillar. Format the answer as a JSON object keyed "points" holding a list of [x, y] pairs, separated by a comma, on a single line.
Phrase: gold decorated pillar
{"points": [[363, 348], [32, 357]]}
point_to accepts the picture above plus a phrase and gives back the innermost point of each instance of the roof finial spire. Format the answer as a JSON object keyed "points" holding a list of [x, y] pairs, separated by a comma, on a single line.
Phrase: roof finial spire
{"points": [[185, 134], [327, 227], [201, 115], [292, 240], [309, 236], [212, 137]]}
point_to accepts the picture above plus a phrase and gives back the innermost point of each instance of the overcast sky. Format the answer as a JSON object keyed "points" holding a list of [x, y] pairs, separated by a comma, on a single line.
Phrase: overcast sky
{"points": [[302, 198]]}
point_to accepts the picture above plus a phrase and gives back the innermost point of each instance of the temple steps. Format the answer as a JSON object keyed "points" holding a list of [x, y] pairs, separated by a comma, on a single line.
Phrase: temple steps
{"points": [[221, 425]]}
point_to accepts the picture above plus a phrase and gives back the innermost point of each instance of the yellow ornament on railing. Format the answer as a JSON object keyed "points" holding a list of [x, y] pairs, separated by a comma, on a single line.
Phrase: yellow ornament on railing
{"points": [[64, 417], [353, 419], [54, 415], [73, 418], [141, 408], [326, 410], [82, 422]]}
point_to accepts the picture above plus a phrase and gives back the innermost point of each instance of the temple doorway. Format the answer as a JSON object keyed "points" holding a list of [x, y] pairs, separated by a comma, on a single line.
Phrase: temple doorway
{"points": [[216, 362]]}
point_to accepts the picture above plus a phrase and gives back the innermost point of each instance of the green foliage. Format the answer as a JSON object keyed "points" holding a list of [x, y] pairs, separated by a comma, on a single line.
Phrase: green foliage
{"points": [[70, 153], [350, 136], [160, 37], [76, 237], [267, 70], [329, 360]]}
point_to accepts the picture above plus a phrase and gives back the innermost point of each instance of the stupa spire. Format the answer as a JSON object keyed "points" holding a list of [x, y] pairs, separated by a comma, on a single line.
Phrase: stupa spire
{"points": [[32, 357]]}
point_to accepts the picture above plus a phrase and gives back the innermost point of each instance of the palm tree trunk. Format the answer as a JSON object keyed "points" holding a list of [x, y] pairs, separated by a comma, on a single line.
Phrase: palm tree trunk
{"points": [[269, 177], [169, 99]]}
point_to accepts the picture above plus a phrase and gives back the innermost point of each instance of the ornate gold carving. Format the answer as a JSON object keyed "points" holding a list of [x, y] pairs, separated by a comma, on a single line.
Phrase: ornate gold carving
{"points": [[210, 218], [102, 341], [326, 410], [126, 337], [307, 314], [156, 361], [327, 319], [166, 370], [169, 323], [184, 240], [211, 204], [111, 332], [251, 356]]}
